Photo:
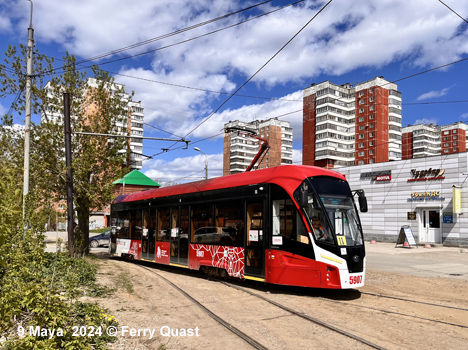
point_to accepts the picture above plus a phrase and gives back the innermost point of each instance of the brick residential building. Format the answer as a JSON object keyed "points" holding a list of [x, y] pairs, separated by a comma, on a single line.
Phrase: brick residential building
{"points": [[240, 150], [345, 125]]}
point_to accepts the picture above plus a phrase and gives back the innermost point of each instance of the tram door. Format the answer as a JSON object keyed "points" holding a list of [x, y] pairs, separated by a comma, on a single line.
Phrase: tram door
{"points": [[255, 249], [430, 222], [148, 241], [179, 235]]}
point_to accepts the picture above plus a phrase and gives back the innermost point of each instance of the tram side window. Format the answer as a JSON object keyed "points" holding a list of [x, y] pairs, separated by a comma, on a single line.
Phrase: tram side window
{"points": [[164, 225], [203, 230], [230, 223], [121, 222], [288, 228], [135, 224]]}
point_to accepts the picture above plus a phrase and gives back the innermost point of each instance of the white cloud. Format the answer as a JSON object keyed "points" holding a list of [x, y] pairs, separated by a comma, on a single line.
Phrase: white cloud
{"points": [[433, 94], [343, 37], [464, 116], [426, 121], [184, 169]]}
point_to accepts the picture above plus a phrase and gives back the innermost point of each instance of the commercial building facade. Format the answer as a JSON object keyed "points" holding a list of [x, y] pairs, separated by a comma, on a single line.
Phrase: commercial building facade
{"points": [[345, 125], [427, 194], [240, 150]]}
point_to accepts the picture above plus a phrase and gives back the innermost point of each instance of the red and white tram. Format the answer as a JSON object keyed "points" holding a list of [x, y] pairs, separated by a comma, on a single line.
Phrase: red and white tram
{"points": [[291, 225]]}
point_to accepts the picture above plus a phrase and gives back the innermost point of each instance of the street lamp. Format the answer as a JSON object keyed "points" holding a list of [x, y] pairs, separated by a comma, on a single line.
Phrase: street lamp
{"points": [[206, 161]]}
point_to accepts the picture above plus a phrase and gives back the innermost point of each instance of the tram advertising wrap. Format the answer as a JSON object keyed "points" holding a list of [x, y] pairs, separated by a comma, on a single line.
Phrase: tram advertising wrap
{"points": [[290, 225]]}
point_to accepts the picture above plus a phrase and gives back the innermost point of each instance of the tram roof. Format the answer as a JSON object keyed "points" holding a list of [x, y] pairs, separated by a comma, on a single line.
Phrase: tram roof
{"points": [[287, 176]]}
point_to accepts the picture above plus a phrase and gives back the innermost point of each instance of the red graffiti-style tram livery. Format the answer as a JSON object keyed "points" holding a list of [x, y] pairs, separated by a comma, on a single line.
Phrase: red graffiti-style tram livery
{"points": [[291, 225]]}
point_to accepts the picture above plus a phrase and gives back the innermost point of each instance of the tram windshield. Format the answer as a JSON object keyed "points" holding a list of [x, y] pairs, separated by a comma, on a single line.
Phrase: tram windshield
{"points": [[331, 211]]}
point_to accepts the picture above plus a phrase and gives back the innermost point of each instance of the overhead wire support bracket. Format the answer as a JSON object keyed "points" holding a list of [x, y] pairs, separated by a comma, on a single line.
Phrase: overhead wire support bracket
{"points": [[251, 133], [134, 136]]}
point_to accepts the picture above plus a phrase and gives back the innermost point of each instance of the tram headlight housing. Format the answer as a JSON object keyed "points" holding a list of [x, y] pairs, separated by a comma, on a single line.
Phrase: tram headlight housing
{"points": [[356, 258]]}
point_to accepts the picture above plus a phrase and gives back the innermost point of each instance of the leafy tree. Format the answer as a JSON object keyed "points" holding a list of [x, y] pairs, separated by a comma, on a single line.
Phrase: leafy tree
{"points": [[100, 107]]}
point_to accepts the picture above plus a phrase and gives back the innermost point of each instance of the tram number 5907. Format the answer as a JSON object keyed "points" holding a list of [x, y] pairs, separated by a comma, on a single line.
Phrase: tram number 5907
{"points": [[355, 279]]}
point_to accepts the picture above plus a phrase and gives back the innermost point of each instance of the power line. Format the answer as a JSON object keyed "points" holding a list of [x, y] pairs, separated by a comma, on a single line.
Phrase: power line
{"points": [[453, 11], [263, 66], [164, 36]]}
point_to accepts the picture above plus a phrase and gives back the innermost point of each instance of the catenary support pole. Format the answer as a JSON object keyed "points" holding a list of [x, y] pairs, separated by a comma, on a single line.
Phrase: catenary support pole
{"points": [[27, 121], [68, 161]]}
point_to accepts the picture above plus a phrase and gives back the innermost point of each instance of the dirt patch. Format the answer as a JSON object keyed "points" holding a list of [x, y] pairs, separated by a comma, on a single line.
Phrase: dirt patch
{"points": [[144, 301]]}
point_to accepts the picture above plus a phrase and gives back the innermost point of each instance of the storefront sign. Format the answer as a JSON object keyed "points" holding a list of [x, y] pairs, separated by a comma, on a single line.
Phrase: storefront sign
{"points": [[425, 175], [456, 193], [447, 217], [426, 196], [383, 178], [411, 215], [373, 175]]}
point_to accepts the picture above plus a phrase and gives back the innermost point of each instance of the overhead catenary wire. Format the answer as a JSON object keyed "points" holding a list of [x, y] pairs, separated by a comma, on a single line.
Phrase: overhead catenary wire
{"points": [[258, 71], [176, 32], [443, 3]]}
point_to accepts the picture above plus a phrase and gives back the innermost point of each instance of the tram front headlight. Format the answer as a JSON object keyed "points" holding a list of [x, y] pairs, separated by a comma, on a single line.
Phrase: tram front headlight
{"points": [[356, 258]]}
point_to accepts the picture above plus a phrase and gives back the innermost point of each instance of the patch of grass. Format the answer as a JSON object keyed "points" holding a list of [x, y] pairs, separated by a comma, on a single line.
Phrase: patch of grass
{"points": [[123, 280]]}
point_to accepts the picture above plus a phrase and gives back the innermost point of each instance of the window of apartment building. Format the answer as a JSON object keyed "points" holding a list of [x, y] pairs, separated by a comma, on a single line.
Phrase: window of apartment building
{"points": [[361, 102], [361, 136], [371, 125], [361, 93], [446, 138], [371, 90], [371, 143], [361, 162], [446, 151], [362, 127], [446, 144], [454, 131], [371, 108], [371, 161], [371, 134], [361, 154], [371, 152], [455, 143], [371, 99], [361, 145], [446, 132], [455, 137], [361, 110], [455, 149], [361, 119], [371, 116]]}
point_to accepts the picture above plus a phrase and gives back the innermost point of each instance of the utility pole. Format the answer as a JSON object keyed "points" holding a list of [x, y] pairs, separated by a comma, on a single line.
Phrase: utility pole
{"points": [[27, 122], [68, 162]]}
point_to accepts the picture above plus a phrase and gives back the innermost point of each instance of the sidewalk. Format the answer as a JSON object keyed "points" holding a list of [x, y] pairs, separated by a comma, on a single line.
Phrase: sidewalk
{"points": [[438, 261]]}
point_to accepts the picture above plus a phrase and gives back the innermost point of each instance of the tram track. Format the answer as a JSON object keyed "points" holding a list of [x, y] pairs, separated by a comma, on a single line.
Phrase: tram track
{"points": [[413, 301], [253, 342]]}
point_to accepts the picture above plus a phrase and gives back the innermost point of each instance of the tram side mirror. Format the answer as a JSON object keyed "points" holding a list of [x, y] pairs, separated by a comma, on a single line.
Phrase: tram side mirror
{"points": [[362, 201], [304, 198]]}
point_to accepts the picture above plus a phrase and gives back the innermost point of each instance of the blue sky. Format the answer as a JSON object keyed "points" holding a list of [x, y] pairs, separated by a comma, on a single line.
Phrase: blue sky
{"points": [[348, 42]]}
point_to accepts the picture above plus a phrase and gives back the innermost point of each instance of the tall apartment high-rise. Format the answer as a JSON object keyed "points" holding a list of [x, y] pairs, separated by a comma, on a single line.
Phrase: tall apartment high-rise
{"points": [[345, 125], [240, 150], [420, 140], [134, 124], [423, 140], [453, 138]]}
